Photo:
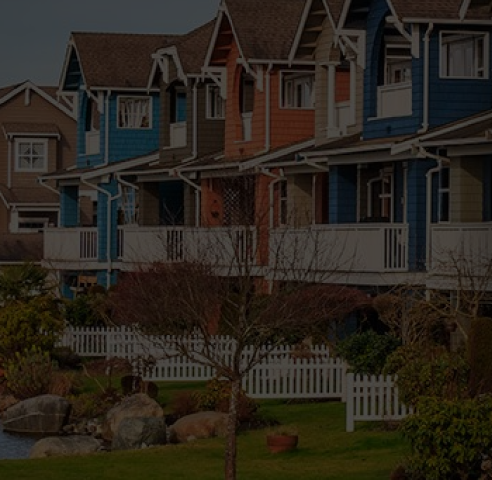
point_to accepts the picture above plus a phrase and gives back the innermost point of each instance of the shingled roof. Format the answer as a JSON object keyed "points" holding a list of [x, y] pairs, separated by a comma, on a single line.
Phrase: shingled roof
{"points": [[117, 59], [193, 46], [265, 29], [437, 9]]}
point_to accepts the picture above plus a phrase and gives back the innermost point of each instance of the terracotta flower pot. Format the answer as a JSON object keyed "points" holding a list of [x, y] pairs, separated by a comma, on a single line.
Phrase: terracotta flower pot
{"points": [[281, 443]]}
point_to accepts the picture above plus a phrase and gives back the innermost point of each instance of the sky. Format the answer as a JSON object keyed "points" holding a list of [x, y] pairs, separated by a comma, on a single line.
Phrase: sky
{"points": [[34, 33]]}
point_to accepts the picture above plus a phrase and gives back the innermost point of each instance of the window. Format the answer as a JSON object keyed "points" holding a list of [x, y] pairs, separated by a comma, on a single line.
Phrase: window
{"points": [[298, 90], [464, 55], [134, 112], [444, 193], [215, 103], [380, 197], [282, 203], [398, 63], [31, 155]]}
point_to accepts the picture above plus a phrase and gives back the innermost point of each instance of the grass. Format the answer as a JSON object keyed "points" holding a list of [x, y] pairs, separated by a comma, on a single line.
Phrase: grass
{"points": [[325, 451]]}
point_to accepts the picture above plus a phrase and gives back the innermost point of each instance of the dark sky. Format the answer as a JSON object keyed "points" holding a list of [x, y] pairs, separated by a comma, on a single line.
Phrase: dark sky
{"points": [[34, 33]]}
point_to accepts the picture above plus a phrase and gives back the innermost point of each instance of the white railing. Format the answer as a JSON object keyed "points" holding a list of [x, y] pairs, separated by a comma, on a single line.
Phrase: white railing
{"points": [[70, 244], [92, 142], [464, 248], [222, 246], [349, 247], [372, 398], [178, 134], [395, 100]]}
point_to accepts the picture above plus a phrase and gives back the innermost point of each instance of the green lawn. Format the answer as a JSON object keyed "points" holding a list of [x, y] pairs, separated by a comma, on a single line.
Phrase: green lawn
{"points": [[325, 451]]}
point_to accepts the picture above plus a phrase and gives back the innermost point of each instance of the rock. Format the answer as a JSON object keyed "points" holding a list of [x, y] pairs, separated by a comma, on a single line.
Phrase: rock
{"points": [[135, 433], [138, 405], [43, 414], [198, 425], [64, 446], [7, 401]]}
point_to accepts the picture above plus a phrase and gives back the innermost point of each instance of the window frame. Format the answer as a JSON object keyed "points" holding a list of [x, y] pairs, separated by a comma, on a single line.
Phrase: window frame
{"points": [[31, 140], [444, 67], [444, 192], [119, 123], [218, 101], [293, 84]]}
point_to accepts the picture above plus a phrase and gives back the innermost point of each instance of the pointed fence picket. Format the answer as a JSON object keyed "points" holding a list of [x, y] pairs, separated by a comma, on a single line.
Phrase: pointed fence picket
{"points": [[372, 398]]}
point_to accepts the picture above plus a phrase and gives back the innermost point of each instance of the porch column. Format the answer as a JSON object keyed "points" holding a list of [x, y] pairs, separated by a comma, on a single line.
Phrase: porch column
{"points": [[343, 194], [69, 206], [417, 212], [149, 204], [333, 127]]}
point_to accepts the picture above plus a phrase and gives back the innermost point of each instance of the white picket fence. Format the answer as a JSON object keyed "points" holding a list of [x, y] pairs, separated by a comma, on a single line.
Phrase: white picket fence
{"points": [[371, 398], [281, 373]]}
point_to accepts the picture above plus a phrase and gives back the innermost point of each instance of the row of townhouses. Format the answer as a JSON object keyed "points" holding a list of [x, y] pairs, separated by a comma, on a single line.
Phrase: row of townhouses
{"points": [[339, 141]]}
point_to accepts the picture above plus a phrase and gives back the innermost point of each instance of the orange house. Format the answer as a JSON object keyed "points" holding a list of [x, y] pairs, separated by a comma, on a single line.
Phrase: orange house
{"points": [[269, 110]]}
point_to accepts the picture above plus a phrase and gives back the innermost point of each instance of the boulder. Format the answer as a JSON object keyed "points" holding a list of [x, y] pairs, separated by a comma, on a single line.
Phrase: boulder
{"points": [[44, 414], [135, 433], [138, 405], [64, 446], [7, 401], [198, 425]]}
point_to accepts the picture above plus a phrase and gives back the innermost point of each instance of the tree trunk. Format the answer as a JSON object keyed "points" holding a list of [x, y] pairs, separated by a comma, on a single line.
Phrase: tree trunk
{"points": [[231, 447]]}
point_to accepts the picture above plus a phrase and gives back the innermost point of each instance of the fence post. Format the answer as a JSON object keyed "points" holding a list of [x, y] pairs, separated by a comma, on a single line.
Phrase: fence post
{"points": [[349, 404]]}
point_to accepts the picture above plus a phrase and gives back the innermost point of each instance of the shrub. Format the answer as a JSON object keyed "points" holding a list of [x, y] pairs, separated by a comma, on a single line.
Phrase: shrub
{"points": [[216, 397], [448, 437], [84, 311], [366, 352], [480, 356], [29, 374], [92, 404], [33, 322], [432, 372]]}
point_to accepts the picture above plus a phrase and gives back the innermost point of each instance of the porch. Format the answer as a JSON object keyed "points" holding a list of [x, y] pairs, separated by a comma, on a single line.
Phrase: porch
{"points": [[461, 250], [220, 246], [349, 248]]}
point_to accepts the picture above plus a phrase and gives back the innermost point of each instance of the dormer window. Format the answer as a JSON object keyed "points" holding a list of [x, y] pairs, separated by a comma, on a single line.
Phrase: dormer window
{"points": [[394, 93], [464, 55], [298, 90], [134, 112], [398, 63]]}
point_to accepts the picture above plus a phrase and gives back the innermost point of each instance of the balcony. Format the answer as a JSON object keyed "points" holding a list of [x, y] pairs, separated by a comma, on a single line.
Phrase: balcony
{"points": [[349, 248], [178, 135], [70, 244], [395, 100], [343, 116], [92, 142], [461, 250], [221, 246]]}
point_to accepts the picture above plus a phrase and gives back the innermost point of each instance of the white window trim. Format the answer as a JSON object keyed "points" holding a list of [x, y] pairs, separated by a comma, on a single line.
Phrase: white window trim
{"points": [[133, 97], [486, 54], [303, 73], [209, 115], [18, 141]]}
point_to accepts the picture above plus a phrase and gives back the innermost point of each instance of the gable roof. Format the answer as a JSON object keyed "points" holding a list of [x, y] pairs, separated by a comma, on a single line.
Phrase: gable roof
{"points": [[48, 93], [113, 60], [263, 30]]}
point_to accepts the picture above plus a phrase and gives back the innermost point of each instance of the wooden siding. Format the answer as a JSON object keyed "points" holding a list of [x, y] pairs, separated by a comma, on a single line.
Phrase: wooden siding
{"points": [[466, 190]]}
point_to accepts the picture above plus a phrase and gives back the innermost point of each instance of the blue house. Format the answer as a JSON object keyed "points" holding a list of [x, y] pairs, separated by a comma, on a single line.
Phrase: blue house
{"points": [[399, 179], [105, 77]]}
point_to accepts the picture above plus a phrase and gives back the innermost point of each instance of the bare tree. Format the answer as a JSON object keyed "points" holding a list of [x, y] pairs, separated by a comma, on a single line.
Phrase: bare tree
{"points": [[238, 284]]}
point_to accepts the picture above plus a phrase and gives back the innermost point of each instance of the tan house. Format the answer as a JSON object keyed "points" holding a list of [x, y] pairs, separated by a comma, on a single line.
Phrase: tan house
{"points": [[37, 136]]}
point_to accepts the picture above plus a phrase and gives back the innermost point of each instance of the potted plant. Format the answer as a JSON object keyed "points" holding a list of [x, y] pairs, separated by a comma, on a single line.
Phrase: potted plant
{"points": [[282, 439]]}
